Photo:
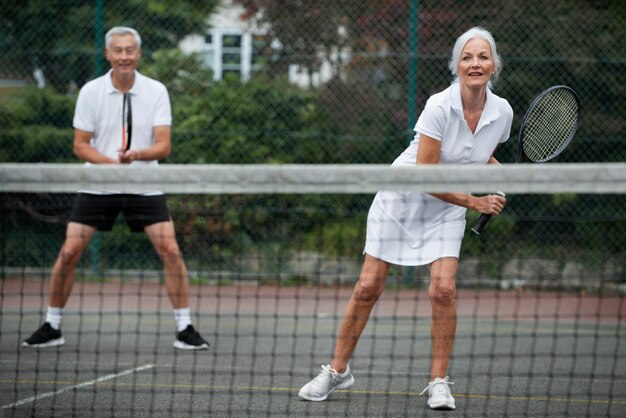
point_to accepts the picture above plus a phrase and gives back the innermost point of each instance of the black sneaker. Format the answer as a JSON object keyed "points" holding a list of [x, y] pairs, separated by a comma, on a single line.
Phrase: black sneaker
{"points": [[190, 339], [45, 336]]}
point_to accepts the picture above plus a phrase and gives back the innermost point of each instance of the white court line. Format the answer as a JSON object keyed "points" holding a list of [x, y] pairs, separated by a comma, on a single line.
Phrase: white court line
{"points": [[80, 385]]}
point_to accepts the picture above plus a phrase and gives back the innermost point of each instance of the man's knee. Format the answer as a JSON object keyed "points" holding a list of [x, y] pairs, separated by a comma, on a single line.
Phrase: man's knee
{"points": [[168, 248], [69, 256], [169, 251]]}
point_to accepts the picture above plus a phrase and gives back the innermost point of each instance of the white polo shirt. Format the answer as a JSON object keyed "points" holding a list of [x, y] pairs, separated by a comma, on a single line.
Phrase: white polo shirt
{"points": [[443, 120], [416, 228], [99, 110]]}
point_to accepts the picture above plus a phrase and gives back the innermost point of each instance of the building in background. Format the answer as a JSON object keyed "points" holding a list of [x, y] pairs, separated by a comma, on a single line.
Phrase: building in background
{"points": [[230, 45], [233, 45]]}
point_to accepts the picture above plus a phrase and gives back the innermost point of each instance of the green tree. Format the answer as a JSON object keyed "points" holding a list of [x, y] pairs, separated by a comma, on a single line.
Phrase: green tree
{"points": [[36, 126], [230, 121], [578, 43], [58, 36]]}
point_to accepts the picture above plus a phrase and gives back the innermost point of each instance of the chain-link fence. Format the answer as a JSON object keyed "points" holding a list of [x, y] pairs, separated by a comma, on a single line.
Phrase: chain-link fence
{"points": [[270, 81], [328, 81]]}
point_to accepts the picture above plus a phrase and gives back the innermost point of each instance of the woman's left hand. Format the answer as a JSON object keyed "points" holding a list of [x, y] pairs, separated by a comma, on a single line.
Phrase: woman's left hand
{"points": [[491, 204]]}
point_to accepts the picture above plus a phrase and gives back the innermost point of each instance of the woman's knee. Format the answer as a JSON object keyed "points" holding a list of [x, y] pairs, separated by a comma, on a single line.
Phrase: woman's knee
{"points": [[442, 289], [442, 293], [372, 280], [368, 290]]}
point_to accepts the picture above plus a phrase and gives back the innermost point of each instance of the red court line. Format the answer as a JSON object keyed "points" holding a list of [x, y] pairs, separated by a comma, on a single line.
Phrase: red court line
{"points": [[29, 294]]}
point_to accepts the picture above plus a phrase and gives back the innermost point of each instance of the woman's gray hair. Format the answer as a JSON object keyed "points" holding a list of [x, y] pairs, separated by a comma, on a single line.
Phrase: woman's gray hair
{"points": [[121, 30], [476, 32]]}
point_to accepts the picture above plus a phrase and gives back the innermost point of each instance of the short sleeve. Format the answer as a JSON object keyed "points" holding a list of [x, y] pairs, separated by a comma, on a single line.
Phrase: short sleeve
{"points": [[433, 121], [508, 112], [85, 111], [163, 108]]}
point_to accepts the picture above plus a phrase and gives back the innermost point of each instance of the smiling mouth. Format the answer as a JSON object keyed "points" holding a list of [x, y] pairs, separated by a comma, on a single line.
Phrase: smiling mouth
{"points": [[475, 74]]}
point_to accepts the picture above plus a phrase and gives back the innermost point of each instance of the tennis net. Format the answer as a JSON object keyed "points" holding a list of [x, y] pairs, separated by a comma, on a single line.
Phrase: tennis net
{"points": [[273, 253]]}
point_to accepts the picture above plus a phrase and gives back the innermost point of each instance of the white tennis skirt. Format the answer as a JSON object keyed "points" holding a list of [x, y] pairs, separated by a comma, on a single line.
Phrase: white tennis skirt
{"points": [[413, 228]]}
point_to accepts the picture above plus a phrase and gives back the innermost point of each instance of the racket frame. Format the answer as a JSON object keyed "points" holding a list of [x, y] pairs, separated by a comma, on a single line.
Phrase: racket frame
{"points": [[521, 156], [481, 223]]}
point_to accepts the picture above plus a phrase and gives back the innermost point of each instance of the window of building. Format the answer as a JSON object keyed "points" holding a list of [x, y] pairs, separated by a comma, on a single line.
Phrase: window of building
{"points": [[233, 52]]}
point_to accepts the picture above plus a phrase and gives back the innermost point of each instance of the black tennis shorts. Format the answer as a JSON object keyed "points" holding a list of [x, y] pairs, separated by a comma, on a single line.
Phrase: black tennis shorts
{"points": [[101, 211]]}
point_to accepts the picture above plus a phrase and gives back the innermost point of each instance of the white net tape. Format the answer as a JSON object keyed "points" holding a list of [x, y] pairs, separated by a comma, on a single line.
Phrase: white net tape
{"points": [[354, 179]]}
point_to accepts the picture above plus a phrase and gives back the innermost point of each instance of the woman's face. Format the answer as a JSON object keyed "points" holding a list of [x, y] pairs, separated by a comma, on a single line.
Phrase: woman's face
{"points": [[476, 64]]}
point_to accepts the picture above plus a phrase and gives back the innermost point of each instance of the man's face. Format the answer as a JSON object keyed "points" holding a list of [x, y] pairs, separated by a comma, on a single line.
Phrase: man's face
{"points": [[123, 54]]}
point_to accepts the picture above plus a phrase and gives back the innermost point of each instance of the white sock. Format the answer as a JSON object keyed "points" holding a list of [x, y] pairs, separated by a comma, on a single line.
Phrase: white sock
{"points": [[54, 316], [183, 318]]}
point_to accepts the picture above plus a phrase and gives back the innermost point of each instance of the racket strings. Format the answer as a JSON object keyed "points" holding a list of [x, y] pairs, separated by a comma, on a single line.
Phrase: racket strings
{"points": [[550, 125]]}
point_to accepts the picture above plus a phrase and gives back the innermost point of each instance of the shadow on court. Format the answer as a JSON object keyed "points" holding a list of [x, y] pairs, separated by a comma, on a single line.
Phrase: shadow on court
{"points": [[516, 353]]}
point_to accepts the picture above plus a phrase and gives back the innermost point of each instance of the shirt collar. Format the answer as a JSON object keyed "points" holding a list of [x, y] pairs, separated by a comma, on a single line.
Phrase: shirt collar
{"points": [[455, 98], [490, 113], [111, 88]]}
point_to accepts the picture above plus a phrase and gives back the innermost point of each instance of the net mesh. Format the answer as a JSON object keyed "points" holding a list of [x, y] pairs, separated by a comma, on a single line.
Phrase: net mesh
{"points": [[550, 125], [271, 267]]}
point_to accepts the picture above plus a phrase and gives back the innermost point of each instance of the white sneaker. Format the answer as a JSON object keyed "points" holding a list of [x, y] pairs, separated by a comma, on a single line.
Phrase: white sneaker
{"points": [[325, 383], [439, 396]]}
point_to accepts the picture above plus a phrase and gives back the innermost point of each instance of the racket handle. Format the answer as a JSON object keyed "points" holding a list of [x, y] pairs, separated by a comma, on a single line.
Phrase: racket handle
{"points": [[483, 219]]}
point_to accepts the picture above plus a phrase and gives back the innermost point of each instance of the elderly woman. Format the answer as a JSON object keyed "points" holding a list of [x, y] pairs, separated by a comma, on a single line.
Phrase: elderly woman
{"points": [[461, 125]]}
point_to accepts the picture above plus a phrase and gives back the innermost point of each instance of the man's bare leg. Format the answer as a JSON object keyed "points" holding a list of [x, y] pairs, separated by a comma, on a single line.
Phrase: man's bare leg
{"points": [[163, 238], [77, 238]]}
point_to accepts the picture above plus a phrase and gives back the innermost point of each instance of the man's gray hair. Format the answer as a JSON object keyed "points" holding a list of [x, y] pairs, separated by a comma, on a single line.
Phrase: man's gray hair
{"points": [[122, 30]]}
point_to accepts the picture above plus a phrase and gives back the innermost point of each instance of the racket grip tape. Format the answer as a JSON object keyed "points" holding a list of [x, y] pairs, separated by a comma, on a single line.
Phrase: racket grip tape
{"points": [[483, 219]]}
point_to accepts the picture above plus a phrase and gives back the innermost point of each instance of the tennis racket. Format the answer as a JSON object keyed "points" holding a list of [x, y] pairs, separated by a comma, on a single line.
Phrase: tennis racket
{"points": [[127, 122], [547, 128]]}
